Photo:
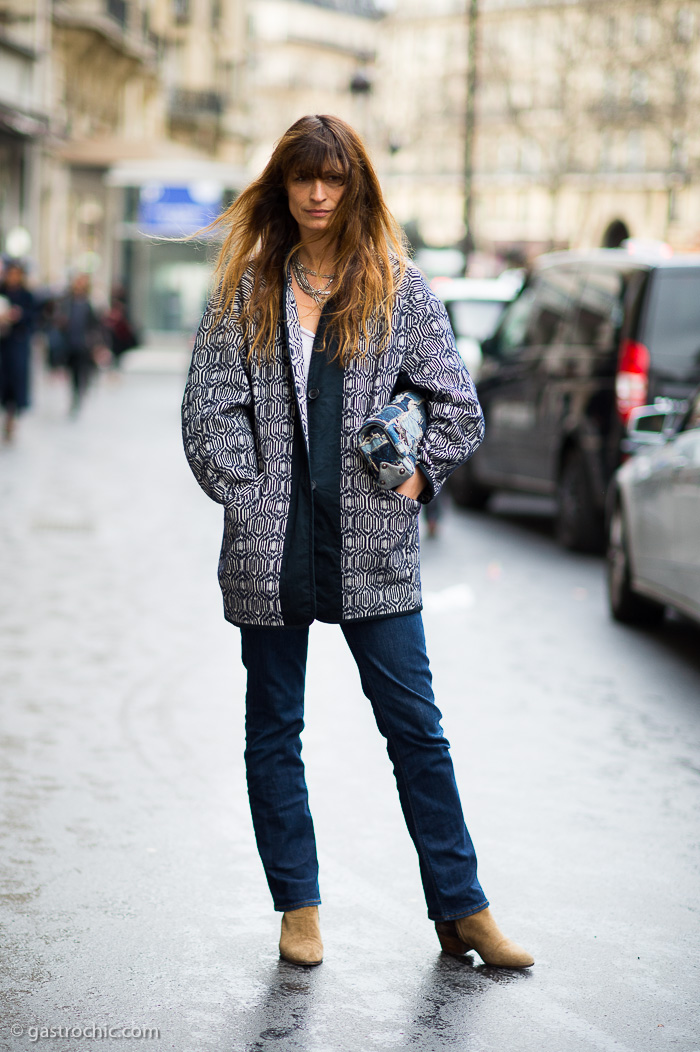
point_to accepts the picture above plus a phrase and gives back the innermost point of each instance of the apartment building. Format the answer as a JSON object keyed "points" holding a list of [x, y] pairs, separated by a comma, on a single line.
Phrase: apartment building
{"points": [[420, 108], [585, 120], [126, 125], [25, 105], [310, 56]]}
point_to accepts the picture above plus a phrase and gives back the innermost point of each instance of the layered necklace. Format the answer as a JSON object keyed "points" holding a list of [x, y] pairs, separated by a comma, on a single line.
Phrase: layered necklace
{"points": [[302, 275]]}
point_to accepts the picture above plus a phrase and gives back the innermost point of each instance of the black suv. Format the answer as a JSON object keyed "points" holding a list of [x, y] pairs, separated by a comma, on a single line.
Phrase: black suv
{"points": [[591, 336]]}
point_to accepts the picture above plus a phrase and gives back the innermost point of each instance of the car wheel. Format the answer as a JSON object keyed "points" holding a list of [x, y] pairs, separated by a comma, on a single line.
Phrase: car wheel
{"points": [[626, 605], [578, 525], [466, 491]]}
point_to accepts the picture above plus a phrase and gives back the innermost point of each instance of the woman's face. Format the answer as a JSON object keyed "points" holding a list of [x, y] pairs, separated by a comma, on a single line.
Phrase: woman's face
{"points": [[313, 200]]}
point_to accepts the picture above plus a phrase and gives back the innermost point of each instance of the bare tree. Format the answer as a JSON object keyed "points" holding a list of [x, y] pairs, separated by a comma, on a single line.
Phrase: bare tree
{"points": [[588, 89]]}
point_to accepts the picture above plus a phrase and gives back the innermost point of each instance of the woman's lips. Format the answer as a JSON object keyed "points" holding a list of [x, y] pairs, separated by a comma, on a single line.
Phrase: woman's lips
{"points": [[317, 212]]}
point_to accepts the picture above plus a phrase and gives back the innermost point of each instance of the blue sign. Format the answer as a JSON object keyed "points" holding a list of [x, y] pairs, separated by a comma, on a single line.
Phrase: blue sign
{"points": [[178, 210]]}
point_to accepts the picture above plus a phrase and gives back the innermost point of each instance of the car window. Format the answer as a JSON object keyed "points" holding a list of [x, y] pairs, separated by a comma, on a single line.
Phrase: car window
{"points": [[539, 314], [511, 337], [597, 320], [551, 307], [672, 331]]}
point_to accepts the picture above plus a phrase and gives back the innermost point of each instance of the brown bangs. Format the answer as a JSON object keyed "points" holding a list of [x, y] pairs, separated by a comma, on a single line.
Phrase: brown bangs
{"points": [[314, 158]]}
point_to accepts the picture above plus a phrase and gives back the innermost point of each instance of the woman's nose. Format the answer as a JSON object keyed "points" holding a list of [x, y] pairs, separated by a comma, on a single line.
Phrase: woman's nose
{"points": [[318, 190]]}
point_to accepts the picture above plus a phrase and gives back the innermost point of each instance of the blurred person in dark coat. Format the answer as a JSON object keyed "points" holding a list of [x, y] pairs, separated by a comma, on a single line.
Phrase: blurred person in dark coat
{"points": [[17, 318], [82, 335]]}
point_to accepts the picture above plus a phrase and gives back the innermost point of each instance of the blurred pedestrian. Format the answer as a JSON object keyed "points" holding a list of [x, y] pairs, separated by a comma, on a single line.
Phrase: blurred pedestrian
{"points": [[118, 325], [83, 336], [319, 320], [17, 318]]}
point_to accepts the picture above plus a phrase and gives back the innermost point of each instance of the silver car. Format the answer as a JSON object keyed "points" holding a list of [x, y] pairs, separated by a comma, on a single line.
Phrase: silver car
{"points": [[654, 517]]}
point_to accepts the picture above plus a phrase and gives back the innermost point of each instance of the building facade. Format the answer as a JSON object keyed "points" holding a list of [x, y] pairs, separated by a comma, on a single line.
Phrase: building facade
{"points": [[310, 57], [25, 105], [126, 125], [420, 107], [584, 128]]}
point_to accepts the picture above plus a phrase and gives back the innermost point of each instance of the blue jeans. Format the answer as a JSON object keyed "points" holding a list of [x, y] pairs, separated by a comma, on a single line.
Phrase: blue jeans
{"points": [[393, 665]]}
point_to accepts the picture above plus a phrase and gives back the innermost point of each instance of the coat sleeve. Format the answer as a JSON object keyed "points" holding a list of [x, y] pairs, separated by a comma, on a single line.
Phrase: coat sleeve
{"points": [[216, 411], [433, 364]]}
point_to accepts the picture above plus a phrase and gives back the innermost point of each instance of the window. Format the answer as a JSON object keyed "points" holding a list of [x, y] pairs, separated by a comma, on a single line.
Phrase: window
{"points": [[611, 31], [530, 156], [599, 314], [679, 158], [610, 89], [636, 151], [511, 337], [685, 25], [507, 154], [538, 316], [642, 29], [181, 11], [639, 87], [672, 333], [680, 86]]}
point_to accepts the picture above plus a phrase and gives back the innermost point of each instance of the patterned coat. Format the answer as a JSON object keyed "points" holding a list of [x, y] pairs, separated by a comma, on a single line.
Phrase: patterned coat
{"points": [[307, 531]]}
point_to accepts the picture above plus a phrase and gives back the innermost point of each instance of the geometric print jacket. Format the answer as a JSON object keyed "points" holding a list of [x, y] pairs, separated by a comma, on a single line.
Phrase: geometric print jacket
{"points": [[308, 533]]}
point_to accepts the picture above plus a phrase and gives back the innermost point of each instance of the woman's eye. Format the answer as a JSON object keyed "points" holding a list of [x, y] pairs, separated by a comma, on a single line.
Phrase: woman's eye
{"points": [[335, 180]]}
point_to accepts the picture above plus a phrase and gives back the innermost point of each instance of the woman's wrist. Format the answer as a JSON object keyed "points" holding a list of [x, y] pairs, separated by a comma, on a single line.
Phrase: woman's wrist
{"points": [[414, 486]]}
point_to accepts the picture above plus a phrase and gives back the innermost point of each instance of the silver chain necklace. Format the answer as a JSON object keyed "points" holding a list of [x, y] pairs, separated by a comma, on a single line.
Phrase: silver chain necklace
{"points": [[300, 273]]}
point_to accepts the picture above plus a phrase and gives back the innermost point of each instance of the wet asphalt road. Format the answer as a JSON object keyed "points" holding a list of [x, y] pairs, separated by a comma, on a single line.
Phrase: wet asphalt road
{"points": [[130, 889]]}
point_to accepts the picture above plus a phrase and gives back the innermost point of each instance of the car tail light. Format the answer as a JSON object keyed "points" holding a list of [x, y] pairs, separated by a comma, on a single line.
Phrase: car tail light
{"points": [[632, 380]]}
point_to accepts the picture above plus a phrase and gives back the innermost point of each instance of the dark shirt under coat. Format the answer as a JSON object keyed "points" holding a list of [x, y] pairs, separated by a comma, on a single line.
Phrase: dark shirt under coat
{"points": [[308, 534]]}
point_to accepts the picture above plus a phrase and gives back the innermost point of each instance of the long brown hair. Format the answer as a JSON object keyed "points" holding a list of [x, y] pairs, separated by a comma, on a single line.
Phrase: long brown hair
{"points": [[262, 234]]}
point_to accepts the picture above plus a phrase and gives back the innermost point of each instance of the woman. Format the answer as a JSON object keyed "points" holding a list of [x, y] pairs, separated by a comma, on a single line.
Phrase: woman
{"points": [[16, 327], [319, 320]]}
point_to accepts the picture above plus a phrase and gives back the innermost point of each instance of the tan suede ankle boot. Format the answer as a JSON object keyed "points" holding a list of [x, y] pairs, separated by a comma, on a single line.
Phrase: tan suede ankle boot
{"points": [[300, 939], [481, 933]]}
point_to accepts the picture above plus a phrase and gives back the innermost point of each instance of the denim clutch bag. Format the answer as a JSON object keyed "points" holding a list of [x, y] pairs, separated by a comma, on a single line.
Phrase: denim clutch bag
{"points": [[389, 441]]}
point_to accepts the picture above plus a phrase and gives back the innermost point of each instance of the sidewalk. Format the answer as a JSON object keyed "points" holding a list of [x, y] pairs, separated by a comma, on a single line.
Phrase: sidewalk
{"points": [[131, 894]]}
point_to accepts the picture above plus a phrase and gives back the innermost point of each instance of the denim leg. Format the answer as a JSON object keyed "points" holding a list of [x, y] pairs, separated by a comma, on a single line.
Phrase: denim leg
{"points": [[395, 674], [276, 663]]}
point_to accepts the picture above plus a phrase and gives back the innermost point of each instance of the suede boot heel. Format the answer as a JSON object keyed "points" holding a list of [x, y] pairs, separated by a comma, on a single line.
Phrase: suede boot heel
{"points": [[300, 938], [449, 939], [481, 933]]}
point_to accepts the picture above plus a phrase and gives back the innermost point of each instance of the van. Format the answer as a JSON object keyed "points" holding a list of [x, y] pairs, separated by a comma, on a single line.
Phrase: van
{"points": [[591, 337]]}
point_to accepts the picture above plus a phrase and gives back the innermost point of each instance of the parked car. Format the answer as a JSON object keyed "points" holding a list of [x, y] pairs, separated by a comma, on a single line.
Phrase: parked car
{"points": [[475, 306], [440, 262], [591, 337], [654, 518]]}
